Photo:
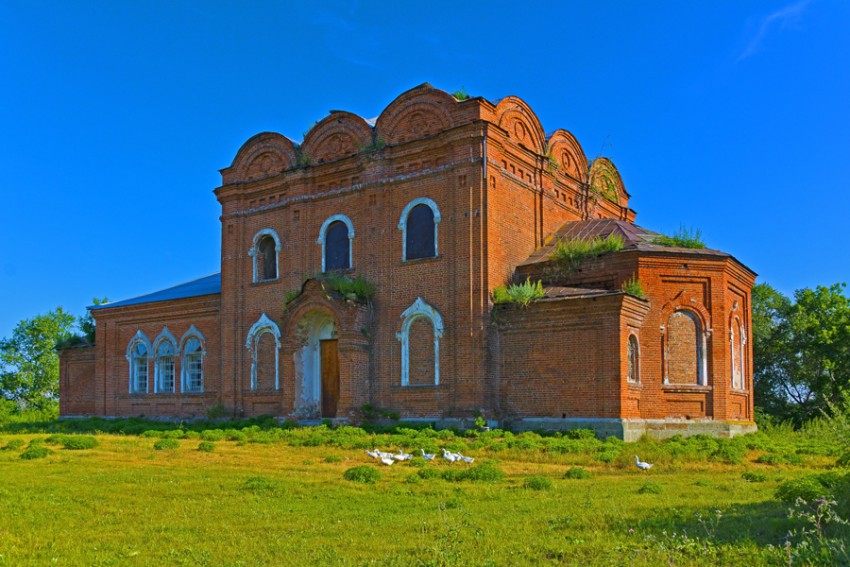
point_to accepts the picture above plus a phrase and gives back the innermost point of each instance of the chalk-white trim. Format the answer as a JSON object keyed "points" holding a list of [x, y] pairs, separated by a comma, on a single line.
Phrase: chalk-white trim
{"points": [[701, 337], [138, 338], [252, 252], [323, 231], [192, 333], [262, 326], [165, 336], [635, 378], [417, 310], [402, 224]]}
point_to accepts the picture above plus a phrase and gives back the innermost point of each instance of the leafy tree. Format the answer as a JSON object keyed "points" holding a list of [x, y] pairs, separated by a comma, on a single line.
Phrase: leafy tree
{"points": [[86, 322], [29, 365], [801, 349]]}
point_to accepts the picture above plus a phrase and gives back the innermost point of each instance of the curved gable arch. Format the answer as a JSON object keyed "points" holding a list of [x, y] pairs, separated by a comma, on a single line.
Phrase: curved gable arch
{"points": [[193, 332], [421, 111], [339, 135], [569, 155], [264, 155], [139, 337], [605, 179], [515, 117], [163, 336]]}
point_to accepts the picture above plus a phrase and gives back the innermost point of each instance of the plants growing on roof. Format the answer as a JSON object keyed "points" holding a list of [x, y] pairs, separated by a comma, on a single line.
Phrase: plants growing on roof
{"points": [[634, 287], [522, 294], [682, 238], [357, 288], [569, 253], [461, 94]]}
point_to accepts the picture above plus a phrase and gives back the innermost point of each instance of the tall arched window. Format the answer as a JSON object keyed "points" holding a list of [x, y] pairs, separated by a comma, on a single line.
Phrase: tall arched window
{"points": [[264, 344], [418, 224], [421, 331], [684, 350], [336, 238], [192, 364], [737, 341], [633, 356], [164, 373], [265, 252], [138, 352]]}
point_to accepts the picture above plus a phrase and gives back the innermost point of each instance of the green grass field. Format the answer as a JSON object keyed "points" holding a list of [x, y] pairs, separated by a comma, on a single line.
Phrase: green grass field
{"points": [[278, 497]]}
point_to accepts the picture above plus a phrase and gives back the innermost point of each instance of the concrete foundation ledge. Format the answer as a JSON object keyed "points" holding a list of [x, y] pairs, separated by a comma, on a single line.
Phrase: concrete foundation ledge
{"points": [[634, 429]]}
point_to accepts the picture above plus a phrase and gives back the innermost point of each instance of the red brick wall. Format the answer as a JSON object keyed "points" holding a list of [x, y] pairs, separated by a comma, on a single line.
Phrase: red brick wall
{"points": [[77, 381], [682, 349]]}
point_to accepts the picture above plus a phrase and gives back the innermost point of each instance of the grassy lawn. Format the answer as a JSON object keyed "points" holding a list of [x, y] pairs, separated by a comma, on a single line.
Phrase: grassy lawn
{"points": [[275, 503]]}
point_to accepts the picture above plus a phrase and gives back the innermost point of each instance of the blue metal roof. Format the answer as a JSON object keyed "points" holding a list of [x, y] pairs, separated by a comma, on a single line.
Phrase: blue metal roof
{"points": [[207, 285]]}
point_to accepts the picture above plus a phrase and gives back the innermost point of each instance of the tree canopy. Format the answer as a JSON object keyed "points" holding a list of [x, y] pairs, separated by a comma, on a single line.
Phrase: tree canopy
{"points": [[801, 349]]}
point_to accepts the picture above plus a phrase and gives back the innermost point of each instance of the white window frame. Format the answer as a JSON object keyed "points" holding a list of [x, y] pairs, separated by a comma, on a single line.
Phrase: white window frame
{"points": [[323, 232], [185, 364], [262, 326], [139, 337], [741, 344], [254, 253], [402, 224], [163, 337], [417, 310]]}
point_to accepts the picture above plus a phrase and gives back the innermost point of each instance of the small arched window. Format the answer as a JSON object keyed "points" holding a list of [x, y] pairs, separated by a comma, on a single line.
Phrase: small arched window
{"points": [[265, 252], [139, 368], [193, 366], [633, 356], [418, 223], [164, 374], [336, 236]]}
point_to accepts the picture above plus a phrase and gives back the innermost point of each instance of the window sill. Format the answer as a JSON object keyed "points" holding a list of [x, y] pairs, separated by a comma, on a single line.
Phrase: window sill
{"points": [[686, 388], [265, 282], [399, 387], [635, 386], [416, 261], [167, 395], [262, 392], [740, 392]]}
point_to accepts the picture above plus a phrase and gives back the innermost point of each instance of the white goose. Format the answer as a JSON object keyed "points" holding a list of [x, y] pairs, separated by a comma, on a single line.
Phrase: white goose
{"points": [[449, 456], [641, 465], [387, 460], [374, 454], [465, 459], [427, 456], [402, 456]]}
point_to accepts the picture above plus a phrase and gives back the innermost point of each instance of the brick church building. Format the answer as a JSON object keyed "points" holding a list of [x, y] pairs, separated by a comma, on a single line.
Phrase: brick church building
{"points": [[359, 268]]}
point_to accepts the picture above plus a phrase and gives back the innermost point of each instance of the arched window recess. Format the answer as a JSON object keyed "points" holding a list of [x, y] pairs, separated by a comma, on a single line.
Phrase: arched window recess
{"points": [[336, 237], [193, 351], [263, 326], [138, 354], [419, 224], [265, 254], [419, 309]]}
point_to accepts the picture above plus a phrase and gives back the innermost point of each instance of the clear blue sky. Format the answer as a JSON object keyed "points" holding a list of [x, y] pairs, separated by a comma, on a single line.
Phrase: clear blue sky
{"points": [[733, 117]]}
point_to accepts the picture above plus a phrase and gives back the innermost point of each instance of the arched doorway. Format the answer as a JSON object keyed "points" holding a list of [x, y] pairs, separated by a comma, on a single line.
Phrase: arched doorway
{"points": [[316, 366]]}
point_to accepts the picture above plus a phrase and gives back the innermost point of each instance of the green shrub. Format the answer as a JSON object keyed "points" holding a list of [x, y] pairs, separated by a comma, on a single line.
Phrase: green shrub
{"points": [[363, 473], [754, 476], [212, 434], [166, 444], [206, 446], [461, 94], [682, 238], [570, 253], [537, 483], [235, 435], [78, 442], [577, 473], [843, 460], [333, 459], [428, 473], [37, 451], [259, 484], [650, 488], [13, 444], [522, 294], [484, 472], [808, 488]]}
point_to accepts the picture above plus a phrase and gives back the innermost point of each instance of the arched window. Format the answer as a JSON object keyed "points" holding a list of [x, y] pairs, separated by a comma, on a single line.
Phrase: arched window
{"points": [[336, 237], [192, 366], [684, 350], [264, 344], [138, 352], [633, 356], [737, 342], [164, 373], [265, 252], [420, 335], [418, 224]]}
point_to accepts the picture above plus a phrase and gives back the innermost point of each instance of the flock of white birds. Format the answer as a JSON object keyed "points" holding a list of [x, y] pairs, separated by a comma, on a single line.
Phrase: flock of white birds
{"points": [[390, 458]]}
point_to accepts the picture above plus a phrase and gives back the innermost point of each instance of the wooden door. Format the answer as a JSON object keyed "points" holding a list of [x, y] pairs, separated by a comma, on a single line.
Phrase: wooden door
{"points": [[330, 377]]}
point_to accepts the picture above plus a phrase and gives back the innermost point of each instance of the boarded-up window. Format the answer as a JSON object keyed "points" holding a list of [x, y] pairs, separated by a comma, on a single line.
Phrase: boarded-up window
{"points": [[266, 361], [632, 356], [420, 242], [421, 352], [337, 247], [683, 352], [267, 258], [736, 339]]}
